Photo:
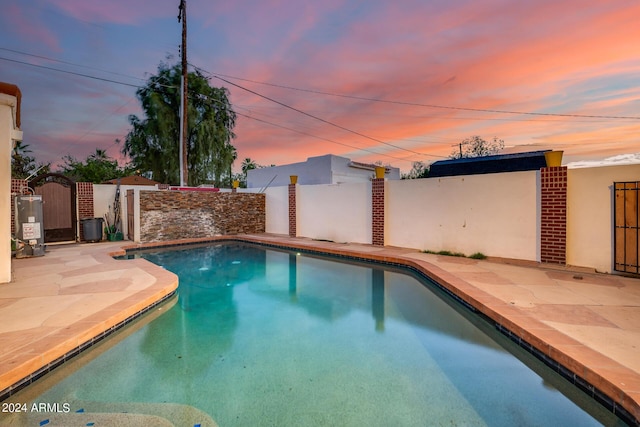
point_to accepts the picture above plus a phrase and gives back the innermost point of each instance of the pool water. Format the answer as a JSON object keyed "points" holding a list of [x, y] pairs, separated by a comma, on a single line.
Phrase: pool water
{"points": [[268, 337]]}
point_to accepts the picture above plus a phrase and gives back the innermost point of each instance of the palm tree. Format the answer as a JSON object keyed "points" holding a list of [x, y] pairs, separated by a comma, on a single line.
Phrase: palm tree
{"points": [[99, 155], [247, 165], [21, 162]]}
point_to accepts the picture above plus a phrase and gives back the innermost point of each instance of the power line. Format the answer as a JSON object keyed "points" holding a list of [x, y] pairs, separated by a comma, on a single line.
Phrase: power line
{"points": [[304, 133], [415, 104], [322, 138], [70, 72], [238, 86], [69, 63], [323, 120]]}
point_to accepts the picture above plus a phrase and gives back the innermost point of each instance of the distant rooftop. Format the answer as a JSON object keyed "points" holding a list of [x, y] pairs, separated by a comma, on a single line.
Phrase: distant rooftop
{"points": [[132, 180], [532, 160], [13, 90], [327, 169]]}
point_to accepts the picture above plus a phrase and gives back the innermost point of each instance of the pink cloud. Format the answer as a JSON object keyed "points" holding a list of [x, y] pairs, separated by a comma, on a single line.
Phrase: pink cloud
{"points": [[115, 11], [547, 56], [27, 24]]}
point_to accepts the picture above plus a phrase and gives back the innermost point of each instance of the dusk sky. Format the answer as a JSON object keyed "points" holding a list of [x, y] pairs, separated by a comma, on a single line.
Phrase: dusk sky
{"points": [[392, 81]]}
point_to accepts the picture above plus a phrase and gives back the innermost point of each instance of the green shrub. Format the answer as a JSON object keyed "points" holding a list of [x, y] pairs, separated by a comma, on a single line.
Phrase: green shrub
{"points": [[478, 255], [446, 253]]}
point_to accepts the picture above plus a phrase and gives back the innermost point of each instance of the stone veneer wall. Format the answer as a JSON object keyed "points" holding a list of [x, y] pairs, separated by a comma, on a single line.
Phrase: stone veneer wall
{"points": [[171, 215]]}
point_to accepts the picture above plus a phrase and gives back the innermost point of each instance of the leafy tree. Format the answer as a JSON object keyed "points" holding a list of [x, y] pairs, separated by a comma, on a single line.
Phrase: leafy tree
{"points": [[23, 165], [153, 143], [418, 170], [97, 167], [475, 146]]}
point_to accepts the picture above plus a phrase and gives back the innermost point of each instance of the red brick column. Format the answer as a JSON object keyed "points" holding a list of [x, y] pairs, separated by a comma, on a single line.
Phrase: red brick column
{"points": [[553, 211], [18, 186], [377, 211], [292, 210], [84, 195]]}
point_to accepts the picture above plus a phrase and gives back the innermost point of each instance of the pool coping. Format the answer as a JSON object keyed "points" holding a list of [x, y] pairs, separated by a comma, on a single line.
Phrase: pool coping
{"points": [[568, 357], [56, 346]]}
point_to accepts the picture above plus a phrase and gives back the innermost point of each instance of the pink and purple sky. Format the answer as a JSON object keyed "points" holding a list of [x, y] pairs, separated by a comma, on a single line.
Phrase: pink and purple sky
{"points": [[397, 81]]}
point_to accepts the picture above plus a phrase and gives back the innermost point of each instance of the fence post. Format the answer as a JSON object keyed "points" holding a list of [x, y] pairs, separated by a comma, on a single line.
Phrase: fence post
{"points": [[377, 211], [84, 194], [292, 210], [553, 214]]}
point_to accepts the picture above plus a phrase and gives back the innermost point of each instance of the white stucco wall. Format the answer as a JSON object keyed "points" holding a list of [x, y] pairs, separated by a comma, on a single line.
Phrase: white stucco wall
{"points": [[8, 134], [338, 212], [590, 214], [495, 214], [104, 198], [277, 210]]}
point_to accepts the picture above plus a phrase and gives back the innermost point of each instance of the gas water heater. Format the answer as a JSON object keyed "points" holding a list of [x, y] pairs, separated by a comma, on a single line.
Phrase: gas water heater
{"points": [[29, 228]]}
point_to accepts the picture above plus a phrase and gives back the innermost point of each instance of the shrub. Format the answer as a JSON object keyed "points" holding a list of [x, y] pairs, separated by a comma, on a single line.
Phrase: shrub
{"points": [[478, 255]]}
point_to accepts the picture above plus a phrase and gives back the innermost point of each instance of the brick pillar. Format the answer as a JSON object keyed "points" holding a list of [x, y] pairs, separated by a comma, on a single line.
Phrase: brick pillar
{"points": [[553, 214], [377, 211], [292, 210], [84, 195], [18, 186]]}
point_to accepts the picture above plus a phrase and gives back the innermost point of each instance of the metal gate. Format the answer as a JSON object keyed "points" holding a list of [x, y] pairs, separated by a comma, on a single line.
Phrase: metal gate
{"points": [[627, 226], [130, 206], [58, 206]]}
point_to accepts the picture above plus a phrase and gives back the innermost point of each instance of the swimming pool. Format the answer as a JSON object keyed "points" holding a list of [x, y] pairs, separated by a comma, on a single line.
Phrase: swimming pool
{"points": [[270, 337]]}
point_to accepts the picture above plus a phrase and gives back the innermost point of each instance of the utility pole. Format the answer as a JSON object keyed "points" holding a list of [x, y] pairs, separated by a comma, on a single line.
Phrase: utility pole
{"points": [[184, 172], [460, 145]]}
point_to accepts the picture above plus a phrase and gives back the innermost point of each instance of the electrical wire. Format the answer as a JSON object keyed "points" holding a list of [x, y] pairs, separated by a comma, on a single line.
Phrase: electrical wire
{"points": [[416, 104], [323, 120], [70, 63], [303, 133], [70, 72], [484, 110], [324, 139], [315, 117]]}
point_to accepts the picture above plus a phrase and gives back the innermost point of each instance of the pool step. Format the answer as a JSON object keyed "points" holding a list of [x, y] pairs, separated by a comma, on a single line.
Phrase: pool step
{"points": [[118, 414]]}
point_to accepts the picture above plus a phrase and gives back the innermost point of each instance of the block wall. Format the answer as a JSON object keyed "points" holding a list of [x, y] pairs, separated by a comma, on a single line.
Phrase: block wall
{"points": [[292, 211], [18, 186], [84, 194], [553, 215], [377, 211], [171, 215]]}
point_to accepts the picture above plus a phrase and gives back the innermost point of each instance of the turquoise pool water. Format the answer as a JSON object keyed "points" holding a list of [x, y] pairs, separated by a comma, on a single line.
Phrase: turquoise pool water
{"points": [[269, 337]]}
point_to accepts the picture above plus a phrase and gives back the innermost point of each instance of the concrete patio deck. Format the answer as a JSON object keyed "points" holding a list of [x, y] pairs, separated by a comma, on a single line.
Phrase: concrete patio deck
{"points": [[589, 323]]}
